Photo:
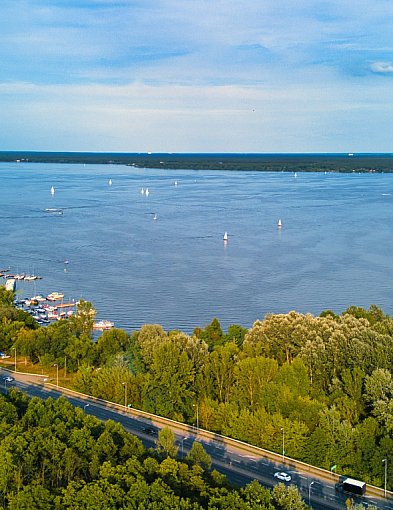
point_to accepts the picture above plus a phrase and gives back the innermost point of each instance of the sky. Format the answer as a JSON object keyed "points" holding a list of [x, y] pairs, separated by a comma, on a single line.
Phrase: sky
{"points": [[262, 76]]}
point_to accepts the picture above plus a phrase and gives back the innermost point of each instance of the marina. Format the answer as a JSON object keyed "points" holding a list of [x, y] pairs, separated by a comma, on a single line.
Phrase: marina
{"points": [[46, 309]]}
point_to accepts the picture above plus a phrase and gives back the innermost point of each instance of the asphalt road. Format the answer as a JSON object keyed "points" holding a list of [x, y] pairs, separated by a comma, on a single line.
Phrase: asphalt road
{"points": [[239, 467]]}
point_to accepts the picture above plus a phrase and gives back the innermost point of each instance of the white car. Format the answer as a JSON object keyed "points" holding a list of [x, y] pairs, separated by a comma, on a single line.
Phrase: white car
{"points": [[8, 379], [280, 475]]}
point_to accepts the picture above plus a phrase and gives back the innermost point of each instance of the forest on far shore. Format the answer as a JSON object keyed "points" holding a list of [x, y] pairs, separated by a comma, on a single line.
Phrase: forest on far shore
{"points": [[326, 381], [345, 163]]}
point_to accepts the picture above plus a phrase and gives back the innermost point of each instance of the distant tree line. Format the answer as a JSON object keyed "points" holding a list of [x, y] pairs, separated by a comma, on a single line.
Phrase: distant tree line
{"points": [[237, 162], [325, 382]]}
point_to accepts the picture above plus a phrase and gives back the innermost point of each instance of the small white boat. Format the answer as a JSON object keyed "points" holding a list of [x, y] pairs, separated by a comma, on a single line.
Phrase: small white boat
{"points": [[295, 175], [155, 216], [147, 192], [54, 210], [52, 190], [225, 238], [142, 191], [101, 325], [110, 182], [175, 183], [279, 224], [54, 296], [39, 298], [30, 277]]}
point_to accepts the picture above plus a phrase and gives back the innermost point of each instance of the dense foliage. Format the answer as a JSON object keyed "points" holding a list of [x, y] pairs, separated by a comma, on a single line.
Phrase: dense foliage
{"points": [[325, 382], [54, 456]]}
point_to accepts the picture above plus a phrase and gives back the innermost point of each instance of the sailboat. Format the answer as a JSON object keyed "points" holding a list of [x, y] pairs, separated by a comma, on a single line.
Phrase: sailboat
{"points": [[279, 224], [155, 216], [110, 182], [142, 191], [147, 192], [225, 238], [52, 190]]}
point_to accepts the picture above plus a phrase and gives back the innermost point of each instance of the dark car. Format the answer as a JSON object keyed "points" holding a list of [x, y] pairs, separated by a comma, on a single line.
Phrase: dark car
{"points": [[150, 430]]}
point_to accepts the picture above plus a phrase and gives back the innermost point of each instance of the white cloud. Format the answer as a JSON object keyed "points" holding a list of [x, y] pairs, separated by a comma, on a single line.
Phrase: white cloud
{"points": [[382, 67]]}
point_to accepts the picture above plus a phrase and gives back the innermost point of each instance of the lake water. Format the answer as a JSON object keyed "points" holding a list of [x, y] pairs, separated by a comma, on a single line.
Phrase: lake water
{"points": [[335, 248]]}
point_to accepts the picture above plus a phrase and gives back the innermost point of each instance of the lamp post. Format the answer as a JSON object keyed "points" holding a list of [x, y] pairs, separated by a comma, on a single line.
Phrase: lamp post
{"points": [[125, 394], [57, 374], [65, 367], [84, 407], [5, 384], [283, 443], [15, 357], [197, 415], [309, 492], [385, 461]]}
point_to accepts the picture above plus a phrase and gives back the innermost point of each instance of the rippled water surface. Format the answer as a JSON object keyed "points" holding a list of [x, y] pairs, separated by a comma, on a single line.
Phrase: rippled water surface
{"points": [[335, 248]]}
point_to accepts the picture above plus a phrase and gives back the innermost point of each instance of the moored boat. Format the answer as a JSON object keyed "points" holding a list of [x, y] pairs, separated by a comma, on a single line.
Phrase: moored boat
{"points": [[55, 296], [103, 324]]}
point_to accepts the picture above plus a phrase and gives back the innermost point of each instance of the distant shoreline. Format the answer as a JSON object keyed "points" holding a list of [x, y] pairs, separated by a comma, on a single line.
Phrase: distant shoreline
{"points": [[346, 163]]}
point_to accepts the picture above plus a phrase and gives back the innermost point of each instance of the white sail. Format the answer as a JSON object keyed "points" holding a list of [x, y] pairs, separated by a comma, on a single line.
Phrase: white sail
{"points": [[279, 224], [225, 236], [52, 190]]}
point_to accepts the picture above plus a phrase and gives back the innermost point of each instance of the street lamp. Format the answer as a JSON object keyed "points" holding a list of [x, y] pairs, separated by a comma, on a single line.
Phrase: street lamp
{"points": [[283, 443], [125, 394], [15, 357], [5, 383], [309, 492], [84, 407], [197, 415], [385, 461], [57, 374]]}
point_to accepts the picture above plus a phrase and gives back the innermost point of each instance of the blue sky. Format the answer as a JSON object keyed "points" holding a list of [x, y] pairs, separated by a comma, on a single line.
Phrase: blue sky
{"points": [[196, 75]]}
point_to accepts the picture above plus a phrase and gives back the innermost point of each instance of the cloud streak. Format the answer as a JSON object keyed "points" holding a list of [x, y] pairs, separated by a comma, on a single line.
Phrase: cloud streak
{"points": [[382, 67]]}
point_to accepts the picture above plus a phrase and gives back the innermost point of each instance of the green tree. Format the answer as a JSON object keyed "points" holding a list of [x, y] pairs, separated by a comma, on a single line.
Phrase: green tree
{"points": [[197, 455], [166, 443], [221, 368], [82, 322], [168, 387], [32, 497], [110, 343], [252, 375], [236, 334], [212, 334], [287, 498]]}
